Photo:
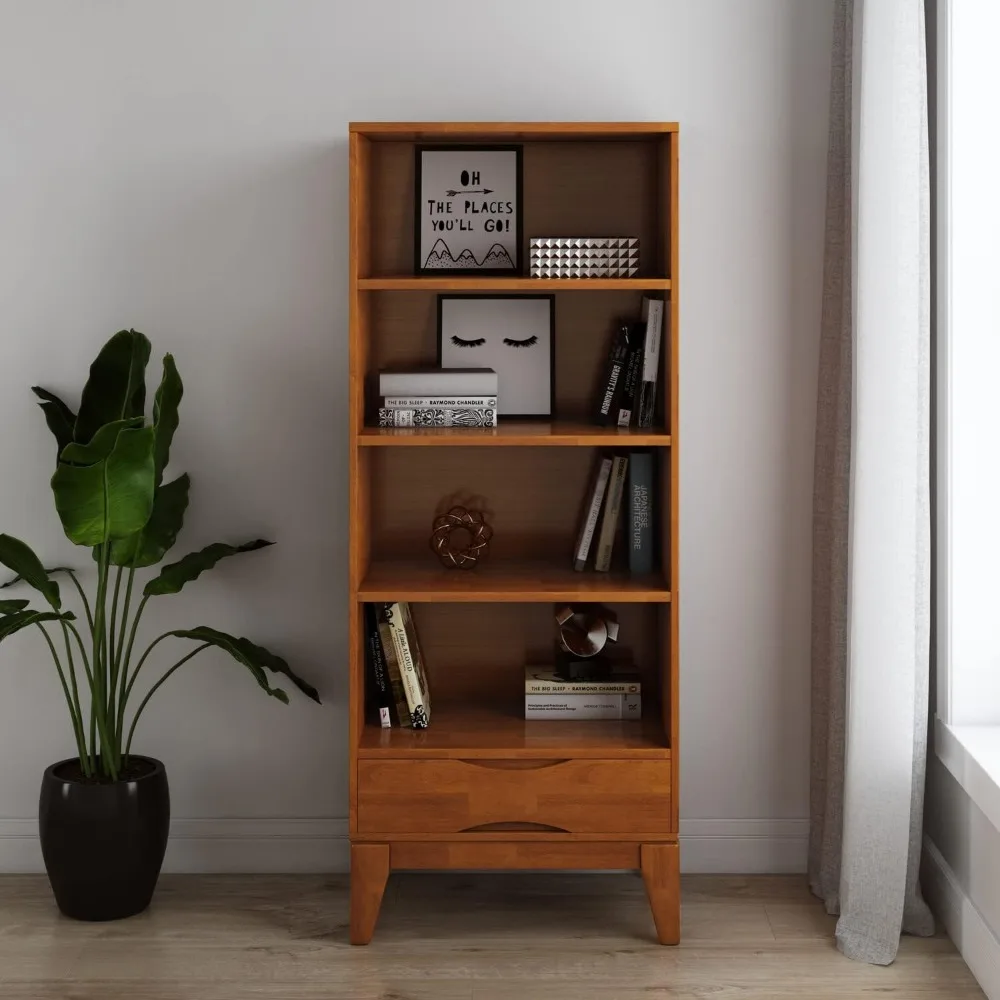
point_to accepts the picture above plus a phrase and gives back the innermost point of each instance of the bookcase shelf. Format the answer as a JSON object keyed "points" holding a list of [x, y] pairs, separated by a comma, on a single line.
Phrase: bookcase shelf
{"points": [[501, 732], [522, 434], [412, 283], [504, 581], [483, 787]]}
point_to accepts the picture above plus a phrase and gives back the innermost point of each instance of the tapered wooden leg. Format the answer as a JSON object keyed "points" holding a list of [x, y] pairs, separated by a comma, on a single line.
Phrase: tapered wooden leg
{"points": [[661, 871], [369, 873]]}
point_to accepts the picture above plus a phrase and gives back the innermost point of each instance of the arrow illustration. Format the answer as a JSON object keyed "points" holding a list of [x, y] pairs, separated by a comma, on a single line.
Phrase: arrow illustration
{"points": [[451, 194]]}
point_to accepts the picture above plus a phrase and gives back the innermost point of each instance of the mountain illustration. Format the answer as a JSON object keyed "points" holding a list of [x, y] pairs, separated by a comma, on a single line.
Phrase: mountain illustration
{"points": [[442, 257]]}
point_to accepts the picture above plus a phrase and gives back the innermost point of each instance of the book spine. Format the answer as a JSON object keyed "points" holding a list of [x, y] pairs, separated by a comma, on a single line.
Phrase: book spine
{"points": [[582, 687], [652, 310], [378, 680], [612, 508], [582, 706], [438, 416], [613, 385], [439, 383], [419, 662], [392, 664], [640, 506], [421, 402], [600, 485], [407, 667], [628, 406]]}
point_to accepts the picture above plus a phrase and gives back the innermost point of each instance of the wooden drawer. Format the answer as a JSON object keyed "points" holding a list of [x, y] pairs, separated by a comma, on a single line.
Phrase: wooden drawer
{"points": [[470, 796]]}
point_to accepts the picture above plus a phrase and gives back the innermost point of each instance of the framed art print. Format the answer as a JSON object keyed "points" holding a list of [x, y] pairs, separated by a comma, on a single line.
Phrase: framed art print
{"points": [[512, 334], [468, 210]]}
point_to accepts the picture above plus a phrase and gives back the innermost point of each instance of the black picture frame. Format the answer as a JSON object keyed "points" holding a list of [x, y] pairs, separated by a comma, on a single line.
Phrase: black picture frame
{"points": [[551, 299], [418, 210]]}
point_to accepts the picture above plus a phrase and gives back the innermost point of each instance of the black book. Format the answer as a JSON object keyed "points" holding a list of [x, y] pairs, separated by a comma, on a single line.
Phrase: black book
{"points": [[613, 386], [631, 381], [378, 686], [641, 475]]}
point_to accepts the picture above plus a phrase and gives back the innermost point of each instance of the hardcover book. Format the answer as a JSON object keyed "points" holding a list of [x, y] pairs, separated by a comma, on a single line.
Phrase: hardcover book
{"points": [[439, 382], [582, 706], [612, 508], [411, 668], [592, 509], [652, 315], [628, 405], [420, 402], [613, 386], [441, 416], [378, 687], [543, 680], [640, 512], [392, 666]]}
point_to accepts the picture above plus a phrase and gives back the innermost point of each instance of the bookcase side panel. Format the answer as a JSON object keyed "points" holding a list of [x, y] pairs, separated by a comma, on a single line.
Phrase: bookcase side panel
{"points": [[674, 511]]}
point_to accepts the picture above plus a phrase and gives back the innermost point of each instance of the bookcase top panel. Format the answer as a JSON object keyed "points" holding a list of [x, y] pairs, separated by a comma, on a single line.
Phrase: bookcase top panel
{"points": [[509, 131]]}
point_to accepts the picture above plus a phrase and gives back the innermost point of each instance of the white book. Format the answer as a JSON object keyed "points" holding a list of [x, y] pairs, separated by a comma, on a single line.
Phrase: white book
{"points": [[439, 382], [616, 488], [417, 698], [652, 314], [582, 706], [600, 485], [419, 402]]}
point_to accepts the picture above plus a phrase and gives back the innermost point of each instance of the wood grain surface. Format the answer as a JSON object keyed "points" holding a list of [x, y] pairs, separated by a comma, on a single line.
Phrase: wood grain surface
{"points": [[455, 937]]}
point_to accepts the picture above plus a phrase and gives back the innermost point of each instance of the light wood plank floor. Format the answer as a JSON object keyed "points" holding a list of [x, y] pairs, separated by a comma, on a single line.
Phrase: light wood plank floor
{"points": [[454, 937]]}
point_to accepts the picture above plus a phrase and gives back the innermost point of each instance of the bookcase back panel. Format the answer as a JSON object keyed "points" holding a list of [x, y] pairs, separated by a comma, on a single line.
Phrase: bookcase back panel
{"points": [[404, 334], [611, 187], [476, 653]]}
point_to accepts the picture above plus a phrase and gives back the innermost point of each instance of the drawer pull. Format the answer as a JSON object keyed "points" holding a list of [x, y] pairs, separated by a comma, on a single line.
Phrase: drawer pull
{"points": [[514, 764], [514, 828]]}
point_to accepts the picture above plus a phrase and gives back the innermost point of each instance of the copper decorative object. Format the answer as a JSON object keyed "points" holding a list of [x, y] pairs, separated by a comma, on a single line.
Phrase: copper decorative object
{"points": [[461, 537], [585, 629]]}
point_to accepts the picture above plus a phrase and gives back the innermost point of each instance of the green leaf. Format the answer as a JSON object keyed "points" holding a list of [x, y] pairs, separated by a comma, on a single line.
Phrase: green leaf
{"points": [[113, 497], [17, 556], [241, 650], [60, 418], [276, 665], [9, 607], [173, 576], [22, 619], [148, 546], [165, 414], [116, 388]]}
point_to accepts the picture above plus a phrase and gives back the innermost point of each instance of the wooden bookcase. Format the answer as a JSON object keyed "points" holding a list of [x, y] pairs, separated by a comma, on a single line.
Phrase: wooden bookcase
{"points": [[481, 788]]}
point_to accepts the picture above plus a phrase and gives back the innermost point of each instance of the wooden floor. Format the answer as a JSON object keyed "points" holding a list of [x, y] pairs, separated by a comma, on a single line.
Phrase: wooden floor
{"points": [[454, 937]]}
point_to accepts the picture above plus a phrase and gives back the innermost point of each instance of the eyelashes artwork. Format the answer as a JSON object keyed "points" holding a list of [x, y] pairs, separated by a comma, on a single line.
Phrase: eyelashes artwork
{"points": [[509, 341]]}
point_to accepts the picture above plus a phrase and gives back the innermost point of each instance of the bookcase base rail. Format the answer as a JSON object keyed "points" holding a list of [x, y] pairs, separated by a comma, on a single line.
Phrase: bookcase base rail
{"points": [[659, 863]]}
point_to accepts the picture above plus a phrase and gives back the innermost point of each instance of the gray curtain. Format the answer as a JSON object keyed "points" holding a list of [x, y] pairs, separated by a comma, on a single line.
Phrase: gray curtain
{"points": [[871, 572]]}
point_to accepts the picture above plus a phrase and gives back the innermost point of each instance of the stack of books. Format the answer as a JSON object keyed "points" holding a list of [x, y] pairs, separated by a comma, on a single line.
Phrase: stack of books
{"points": [[548, 695], [622, 486], [396, 685], [627, 396], [438, 397]]}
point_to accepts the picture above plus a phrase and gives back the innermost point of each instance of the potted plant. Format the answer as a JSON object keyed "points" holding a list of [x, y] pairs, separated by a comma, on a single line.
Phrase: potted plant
{"points": [[104, 815]]}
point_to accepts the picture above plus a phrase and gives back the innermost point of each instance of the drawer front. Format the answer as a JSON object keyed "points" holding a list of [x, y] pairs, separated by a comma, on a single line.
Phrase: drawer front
{"points": [[477, 796]]}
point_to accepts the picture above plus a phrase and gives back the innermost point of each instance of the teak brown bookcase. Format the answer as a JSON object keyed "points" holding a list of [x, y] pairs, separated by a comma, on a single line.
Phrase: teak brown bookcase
{"points": [[481, 788]]}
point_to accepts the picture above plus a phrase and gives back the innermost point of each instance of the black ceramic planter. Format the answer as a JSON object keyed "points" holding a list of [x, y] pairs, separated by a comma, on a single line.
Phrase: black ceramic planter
{"points": [[103, 844]]}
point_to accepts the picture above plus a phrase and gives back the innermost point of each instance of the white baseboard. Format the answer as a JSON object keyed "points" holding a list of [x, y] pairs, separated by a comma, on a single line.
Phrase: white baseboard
{"points": [[744, 846], [962, 920]]}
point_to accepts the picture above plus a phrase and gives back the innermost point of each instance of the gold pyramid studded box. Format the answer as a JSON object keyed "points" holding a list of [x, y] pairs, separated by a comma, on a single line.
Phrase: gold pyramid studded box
{"points": [[599, 257]]}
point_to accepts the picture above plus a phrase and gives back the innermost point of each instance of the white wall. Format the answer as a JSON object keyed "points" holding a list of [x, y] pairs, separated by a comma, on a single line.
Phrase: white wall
{"points": [[182, 168]]}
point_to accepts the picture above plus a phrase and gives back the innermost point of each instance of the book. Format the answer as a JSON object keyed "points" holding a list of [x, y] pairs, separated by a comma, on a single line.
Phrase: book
{"points": [[611, 388], [639, 528], [440, 416], [411, 667], [543, 680], [378, 688], [439, 382], [612, 508], [652, 315], [420, 402], [631, 380], [392, 666], [592, 509], [582, 706]]}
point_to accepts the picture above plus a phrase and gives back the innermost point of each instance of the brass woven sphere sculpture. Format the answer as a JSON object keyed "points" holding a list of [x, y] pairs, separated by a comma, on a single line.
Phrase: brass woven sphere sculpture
{"points": [[461, 537]]}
